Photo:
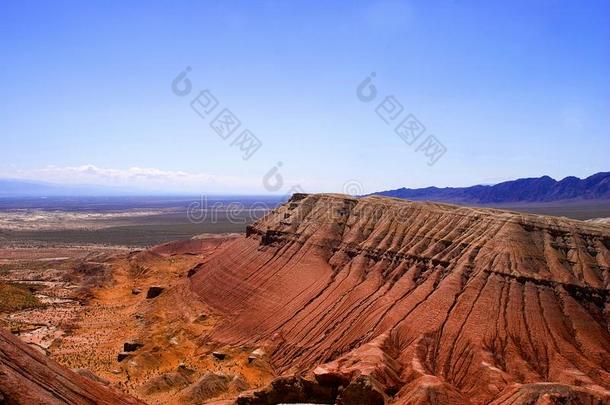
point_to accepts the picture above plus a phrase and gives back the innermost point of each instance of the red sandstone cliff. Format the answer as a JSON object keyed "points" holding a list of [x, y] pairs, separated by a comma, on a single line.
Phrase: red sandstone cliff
{"points": [[413, 303]]}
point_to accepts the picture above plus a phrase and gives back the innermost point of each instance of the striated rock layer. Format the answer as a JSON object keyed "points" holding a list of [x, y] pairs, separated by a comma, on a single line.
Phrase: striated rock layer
{"points": [[405, 302], [29, 377]]}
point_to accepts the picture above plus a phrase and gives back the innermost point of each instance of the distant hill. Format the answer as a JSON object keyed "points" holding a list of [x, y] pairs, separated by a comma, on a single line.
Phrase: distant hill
{"points": [[31, 188], [22, 188], [540, 189]]}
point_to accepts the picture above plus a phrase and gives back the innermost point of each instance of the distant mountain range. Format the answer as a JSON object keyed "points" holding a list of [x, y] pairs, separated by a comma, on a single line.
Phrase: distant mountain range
{"points": [[540, 189]]}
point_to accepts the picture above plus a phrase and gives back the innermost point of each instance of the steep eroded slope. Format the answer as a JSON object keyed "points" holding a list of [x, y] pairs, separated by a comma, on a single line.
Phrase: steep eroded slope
{"points": [[430, 303]]}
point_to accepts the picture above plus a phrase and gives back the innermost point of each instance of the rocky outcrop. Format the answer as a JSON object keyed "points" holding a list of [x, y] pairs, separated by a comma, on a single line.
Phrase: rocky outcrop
{"points": [[208, 386], [290, 389], [419, 302], [28, 377], [167, 382]]}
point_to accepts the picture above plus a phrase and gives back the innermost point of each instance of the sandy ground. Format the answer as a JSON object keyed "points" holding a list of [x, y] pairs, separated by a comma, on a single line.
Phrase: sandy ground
{"points": [[93, 300], [30, 220]]}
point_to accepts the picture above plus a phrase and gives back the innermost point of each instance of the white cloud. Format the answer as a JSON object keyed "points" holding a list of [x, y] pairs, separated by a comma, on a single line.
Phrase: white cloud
{"points": [[143, 178]]}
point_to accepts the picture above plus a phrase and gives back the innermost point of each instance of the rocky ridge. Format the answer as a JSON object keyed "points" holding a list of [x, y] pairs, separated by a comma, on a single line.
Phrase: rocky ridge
{"points": [[409, 302]]}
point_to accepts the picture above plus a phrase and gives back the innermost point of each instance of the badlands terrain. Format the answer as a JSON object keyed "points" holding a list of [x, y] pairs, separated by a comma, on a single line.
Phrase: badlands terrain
{"points": [[328, 299]]}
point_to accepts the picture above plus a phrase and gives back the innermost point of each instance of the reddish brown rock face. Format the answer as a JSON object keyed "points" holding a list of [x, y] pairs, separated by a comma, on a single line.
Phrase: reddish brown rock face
{"points": [[28, 377], [420, 303]]}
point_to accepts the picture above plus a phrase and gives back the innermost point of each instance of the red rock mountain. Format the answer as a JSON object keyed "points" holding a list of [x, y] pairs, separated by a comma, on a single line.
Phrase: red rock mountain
{"points": [[380, 300]]}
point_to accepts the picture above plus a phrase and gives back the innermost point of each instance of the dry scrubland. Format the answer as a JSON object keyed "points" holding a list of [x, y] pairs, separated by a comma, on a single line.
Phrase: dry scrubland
{"points": [[65, 301]]}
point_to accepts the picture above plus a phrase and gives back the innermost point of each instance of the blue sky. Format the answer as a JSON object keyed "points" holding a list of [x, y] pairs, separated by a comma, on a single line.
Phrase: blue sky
{"points": [[510, 89]]}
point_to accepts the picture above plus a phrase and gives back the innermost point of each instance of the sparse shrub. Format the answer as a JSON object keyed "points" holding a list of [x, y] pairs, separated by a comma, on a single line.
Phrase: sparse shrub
{"points": [[15, 297]]}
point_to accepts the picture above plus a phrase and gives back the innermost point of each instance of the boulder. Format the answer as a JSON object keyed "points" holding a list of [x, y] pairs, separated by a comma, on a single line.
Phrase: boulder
{"points": [[255, 355], [219, 355], [131, 346], [122, 356], [154, 292]]}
